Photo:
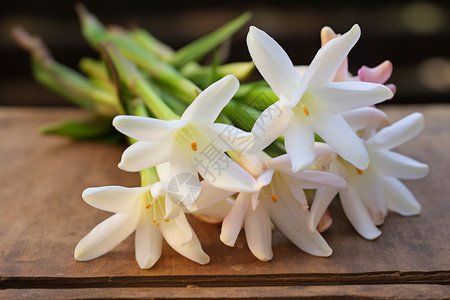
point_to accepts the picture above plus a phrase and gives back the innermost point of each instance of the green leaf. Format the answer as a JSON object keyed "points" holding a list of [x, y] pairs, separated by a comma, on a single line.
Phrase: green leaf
{"points": [[200, 47], [89, 129], [162, 72]]}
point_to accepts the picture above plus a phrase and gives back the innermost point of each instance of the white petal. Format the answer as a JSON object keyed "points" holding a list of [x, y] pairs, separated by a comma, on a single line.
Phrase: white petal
{"points": [[315, 179], [399, 198], [254, 199], [184, 233], [258, 232], [264, 179], [322, 149], [181, 161], [325, 64], [208, 105], [324, 196], [142, 155], [211, 195], [159, 189], [228, 137], [358, 215], [322, 200], [147, 129], [271, 124], [232, 224], [164, 172], [272, 62], [224, 173], [116, 199], [397, 165], [339, 135], [218, 210], [280, 162], [365, 117], [148, 242], [177, 231], [172, 210], [370, 190], [289, 216], [295, 188], [299, 143], [105, 236], [349, 95], [184, 242], [399, 132], [184, 188]]}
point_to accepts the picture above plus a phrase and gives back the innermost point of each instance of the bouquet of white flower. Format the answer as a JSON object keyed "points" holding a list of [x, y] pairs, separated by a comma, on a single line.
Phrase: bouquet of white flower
{"points": [[247, 155]]}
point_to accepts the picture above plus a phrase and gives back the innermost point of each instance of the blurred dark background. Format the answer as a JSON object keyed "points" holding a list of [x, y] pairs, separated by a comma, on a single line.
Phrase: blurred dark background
{"points": [[414, 35]]}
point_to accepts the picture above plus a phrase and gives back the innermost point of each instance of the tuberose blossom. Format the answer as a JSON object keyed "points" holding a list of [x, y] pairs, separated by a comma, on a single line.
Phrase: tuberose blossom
{"points": [[279, 199], [374, 191], [192, 144], [150, 213], [311, 103]]}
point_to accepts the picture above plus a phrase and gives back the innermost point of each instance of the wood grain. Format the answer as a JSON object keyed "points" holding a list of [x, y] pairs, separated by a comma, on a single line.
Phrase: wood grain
{"points": [[42, 217], [406, 291]]}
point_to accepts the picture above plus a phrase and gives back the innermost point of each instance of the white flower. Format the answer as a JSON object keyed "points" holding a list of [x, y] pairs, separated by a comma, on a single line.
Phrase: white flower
{"points": [[374, 191], [311, 103], [146, 211], [280, 199], [193, 143]]}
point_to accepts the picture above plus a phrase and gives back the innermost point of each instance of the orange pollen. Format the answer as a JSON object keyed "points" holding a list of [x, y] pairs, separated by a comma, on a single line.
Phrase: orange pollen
{"points": [[358, 171], [147, 206], [194, 146], [154, 221], [274, 199], [305, 110], [165, 220], [157, 224]]}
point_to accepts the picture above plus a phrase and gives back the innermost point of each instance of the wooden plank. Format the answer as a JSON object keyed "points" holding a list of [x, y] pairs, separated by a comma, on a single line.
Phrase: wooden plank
{"points": [[407, 291], [43, 217]]}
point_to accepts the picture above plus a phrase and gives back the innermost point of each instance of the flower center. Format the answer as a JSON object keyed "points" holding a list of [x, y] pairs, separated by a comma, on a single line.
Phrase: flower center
{"points": [[187, 135], [305, 110], [157, 208]]}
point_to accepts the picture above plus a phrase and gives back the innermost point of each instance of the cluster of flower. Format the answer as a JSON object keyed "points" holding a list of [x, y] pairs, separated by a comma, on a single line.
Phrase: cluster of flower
{"points": [[335, 141], [323, 98]]}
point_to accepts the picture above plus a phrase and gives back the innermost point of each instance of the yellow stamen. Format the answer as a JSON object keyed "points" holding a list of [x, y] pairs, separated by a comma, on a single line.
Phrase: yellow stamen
{"points": [[305, 110], [165, 220], [358, 171], [147, 206], [274, 199], [194, 146]]}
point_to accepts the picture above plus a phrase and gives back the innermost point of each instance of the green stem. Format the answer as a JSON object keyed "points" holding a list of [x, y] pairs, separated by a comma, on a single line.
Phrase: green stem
{"points": [[159, 108], [205, 44], [151, 44]]}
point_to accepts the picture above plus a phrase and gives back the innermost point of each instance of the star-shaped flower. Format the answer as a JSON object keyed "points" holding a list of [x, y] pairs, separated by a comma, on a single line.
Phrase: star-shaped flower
{"points": [[311, 103], [192, 144], [280, 199], [374, 191], [147, 210]]}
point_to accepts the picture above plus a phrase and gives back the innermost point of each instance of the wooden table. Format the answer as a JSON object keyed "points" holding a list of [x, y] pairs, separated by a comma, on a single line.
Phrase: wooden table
{"points": [[42, 217]]}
